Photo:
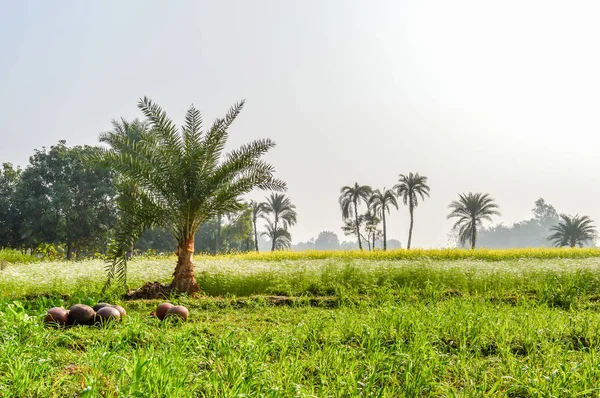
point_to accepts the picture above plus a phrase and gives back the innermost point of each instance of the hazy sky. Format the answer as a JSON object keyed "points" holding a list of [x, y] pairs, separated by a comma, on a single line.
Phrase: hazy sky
{"points": [[497, 97]]}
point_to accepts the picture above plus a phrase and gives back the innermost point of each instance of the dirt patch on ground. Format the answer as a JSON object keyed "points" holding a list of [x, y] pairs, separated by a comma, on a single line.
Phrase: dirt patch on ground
{"points": [[323, 301], [150, 291]]}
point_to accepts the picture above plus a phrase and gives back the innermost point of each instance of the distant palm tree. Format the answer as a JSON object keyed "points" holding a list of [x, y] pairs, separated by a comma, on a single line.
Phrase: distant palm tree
{"points": [[350, 197], [284, 216], [372, 228], [573, 231], [381, 202], [280, 236], [134, 131], [471, 210], [351, 227], [259, 209], [409, 187]]}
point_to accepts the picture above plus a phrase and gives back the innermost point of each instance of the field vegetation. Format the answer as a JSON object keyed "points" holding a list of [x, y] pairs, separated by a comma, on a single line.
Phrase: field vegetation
{"points": [[429, 323]]}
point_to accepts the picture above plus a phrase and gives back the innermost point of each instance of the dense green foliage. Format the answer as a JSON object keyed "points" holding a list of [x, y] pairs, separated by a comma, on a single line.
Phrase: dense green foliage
{"points": [[58, 200], [355, 328], [14, 256]]}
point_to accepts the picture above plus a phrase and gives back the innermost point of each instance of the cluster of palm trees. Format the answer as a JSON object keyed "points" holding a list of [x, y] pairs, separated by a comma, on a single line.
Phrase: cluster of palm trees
{"points": [[409, 188], [280, 214], [469, 211]]}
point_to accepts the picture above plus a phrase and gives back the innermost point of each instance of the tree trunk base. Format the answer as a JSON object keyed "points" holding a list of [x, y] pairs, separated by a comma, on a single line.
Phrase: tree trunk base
{"points": [[185, 283], [157, 290], [150, 291]]}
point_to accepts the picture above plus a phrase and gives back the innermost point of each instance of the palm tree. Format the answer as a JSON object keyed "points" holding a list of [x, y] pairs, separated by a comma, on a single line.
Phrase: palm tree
{"points": [[283, 212], [471, 210], [409, 188], [573, 231], [133, 131], [259, 209], [381, 202], [372, 228], [182, 180], [351, 227], [350, 197], [280, 236]]}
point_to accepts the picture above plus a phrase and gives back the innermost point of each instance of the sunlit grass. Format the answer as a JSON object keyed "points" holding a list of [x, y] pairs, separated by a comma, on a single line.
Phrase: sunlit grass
{"points": [[15, 256], [419, 326], [417, 254]]}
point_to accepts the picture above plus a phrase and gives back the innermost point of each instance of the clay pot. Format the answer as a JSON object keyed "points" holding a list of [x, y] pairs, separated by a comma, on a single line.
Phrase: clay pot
{"points": [[178, 310], [161, 310]]}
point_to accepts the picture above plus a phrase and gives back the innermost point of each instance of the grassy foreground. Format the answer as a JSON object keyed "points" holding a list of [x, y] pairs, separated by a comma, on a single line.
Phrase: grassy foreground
{"points": [[520, 327]]}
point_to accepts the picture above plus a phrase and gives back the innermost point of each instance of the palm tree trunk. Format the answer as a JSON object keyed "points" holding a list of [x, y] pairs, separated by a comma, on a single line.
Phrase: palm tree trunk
{"points": [[184, 280], [69, 250], [384, 231], [356, 224], [255, 235], [412, 219], [218, 234], [274, 240], [473, 235]]}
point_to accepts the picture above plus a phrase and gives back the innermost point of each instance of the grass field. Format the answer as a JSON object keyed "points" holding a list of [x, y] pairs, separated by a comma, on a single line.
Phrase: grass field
{"points": [[490, 324]]}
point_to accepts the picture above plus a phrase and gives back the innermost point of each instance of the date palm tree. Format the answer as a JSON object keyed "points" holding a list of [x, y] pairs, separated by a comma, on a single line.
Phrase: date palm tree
{"points": [[573, 231], [350, 197], [410, 187], [280, 236], [284, 216], [259, 210], [182, 179], [380, 202], [471, 210], [133, 131]]}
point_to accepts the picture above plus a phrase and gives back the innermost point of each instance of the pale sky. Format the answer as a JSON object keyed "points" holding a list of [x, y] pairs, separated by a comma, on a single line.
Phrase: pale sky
{"points": [[482, 96]]}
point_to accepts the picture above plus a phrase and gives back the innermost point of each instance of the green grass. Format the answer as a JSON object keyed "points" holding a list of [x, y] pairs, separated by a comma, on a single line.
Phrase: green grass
{"points": [[421, 254], [15, 256], [528, 327]]}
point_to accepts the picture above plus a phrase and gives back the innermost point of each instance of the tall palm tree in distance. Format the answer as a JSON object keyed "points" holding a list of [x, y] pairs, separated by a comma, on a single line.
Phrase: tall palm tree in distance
{"points": [[182, 180], [380, 202], [410, 187], [471, 210], [281, 237], [372, 228], [573, 231], [350, 197], [259, 209], [284, 216]]}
